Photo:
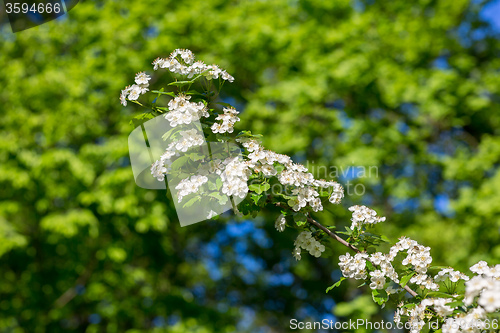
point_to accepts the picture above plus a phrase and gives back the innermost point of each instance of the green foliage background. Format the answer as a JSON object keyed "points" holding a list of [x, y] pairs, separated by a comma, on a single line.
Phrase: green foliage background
{"points": [[409, 87]]}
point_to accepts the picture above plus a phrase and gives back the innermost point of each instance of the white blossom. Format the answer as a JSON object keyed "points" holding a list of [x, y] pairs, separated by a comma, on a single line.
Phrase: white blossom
{"points": [[296, 253], [182, 61], [306, 241], [480, 268], [235, 177], [280, 223], [211, 214], [189, 185], [158, 170], [142, 78], [182, 111], [363, 215], [451, 274], [354, 266], [228, 119]]}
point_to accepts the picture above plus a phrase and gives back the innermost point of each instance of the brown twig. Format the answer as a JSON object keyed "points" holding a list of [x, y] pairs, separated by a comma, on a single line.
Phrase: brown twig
{"points": [[343, 242]]}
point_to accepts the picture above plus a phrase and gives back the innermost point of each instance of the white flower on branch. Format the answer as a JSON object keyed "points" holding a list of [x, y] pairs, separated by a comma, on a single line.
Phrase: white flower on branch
{"points": [[377, 282], [451, 274], [235, 177], [484, 286], [211, 214], [142, 78], [306, 241], [158, 170], [280, 223], [228, 119], [480, 268], [296, 253], [189, 185], [182, 111], [354, 266], [181, 61], [134, 91], [363, 215]]}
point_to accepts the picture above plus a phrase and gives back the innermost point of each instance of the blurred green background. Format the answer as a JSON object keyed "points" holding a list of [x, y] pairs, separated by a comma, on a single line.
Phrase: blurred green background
{"points": [[409, 87]]}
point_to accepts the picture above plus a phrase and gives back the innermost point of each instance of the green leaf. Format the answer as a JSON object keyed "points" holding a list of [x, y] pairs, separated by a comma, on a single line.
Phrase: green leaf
{"points": [[438, 267], [221, 198], [192, 201], [141, 119], [379, 296], [439, 294], [385, 239], [408, 306], [179, 162], [300, 219], [247, 207], [348, 231], [248, 134], [180, 83], [336, 284], [211, 186], [218, 182], [455, 304], [370, 265], [259, 188], [194, 92], [404, 280], [196, 156], [158, 96], [161, 92], [257, 197]]}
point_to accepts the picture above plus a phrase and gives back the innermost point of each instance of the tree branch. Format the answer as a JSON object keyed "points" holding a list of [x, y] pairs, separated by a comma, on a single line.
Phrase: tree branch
{"points": [[343, 242], [352, 247]]}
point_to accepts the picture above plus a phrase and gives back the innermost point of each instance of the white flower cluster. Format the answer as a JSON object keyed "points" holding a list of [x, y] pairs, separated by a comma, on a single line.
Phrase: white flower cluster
{"points": [[293, 174], [306, 241], [189, 185], [228, 119], [385, 265], [235, 177], [482, 268], [439, 305], [363, 215], [182, 111], [377, 279], [134, 91], [213, 166], [418, 256], [182, 62], [417, 314], [337, 194], [425, 281], [486, 285], [416, 317], [189, 138], [280, 223], [305, 195], [472, 321], [354, 266], [158, 170], [451, 274]]}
